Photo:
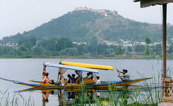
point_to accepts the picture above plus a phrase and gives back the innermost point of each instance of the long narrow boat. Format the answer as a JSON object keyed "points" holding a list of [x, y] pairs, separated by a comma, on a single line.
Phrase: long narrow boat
{"points": [[84, 83], [93, 66], [113, 84]]}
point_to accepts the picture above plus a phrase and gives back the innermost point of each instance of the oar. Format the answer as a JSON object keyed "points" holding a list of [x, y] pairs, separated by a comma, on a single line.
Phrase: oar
{"points": [[35, 81], [119, 74], [10, 80]]}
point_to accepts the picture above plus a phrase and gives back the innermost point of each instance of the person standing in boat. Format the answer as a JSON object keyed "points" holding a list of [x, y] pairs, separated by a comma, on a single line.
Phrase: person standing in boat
{"points": [[46, 78], [125, 76]]}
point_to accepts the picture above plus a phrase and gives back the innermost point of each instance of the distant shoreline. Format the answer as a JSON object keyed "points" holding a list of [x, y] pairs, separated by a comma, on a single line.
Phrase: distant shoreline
{"points": [[90, 57]]}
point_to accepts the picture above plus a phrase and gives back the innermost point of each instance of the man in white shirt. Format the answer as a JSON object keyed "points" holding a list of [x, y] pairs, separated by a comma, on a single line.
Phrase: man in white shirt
{"points": [[98, 80], [125, 76]]}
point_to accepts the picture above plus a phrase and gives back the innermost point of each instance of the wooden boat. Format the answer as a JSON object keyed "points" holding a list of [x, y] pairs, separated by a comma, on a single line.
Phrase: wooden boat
{"points": [[93, 66], [84, 84]]}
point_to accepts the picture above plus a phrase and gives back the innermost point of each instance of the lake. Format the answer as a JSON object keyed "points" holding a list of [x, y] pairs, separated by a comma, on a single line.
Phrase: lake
{"points": [[25, 69]]}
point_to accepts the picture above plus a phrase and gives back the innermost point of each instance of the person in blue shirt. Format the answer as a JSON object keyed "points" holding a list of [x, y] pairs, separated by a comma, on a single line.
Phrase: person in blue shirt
{"points": [[73, 78], [69, 78]]}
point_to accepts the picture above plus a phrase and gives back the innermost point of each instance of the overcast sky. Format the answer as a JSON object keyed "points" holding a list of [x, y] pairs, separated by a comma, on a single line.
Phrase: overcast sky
{"points": [[24, 15]]}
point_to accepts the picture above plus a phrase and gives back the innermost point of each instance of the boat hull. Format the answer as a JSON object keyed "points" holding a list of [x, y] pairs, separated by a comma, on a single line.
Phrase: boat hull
{"points": [[114, 85]]}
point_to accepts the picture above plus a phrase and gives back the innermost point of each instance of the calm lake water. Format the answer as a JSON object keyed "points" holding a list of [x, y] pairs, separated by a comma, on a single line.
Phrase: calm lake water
{"points": [[25, 69]]}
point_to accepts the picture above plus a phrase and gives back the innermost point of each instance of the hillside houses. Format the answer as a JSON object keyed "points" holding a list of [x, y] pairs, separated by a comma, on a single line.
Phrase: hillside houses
{"points": [[124, 43]]}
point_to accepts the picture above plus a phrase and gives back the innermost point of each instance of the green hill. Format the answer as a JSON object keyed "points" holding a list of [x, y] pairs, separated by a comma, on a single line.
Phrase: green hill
{"points": [[80, 26]]}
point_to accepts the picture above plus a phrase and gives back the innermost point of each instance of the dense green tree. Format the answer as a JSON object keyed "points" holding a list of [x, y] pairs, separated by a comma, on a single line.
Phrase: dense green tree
{"points": [[51, 45], [101, 48], [63, 43], [38, 51], [33, 41], [22, 40], [146, 51], [129, 48], [93, 41], [43, 43], [139, 48], [82, 49], [147, 40], [157, 49], [92, 48], [170, 51], [119, 51], [5, 50], [69, 51]]}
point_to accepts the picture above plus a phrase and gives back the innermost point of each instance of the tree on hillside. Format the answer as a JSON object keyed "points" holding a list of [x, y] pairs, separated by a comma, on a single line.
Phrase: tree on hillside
{"points": [[119, 51], [139, 48], [147, 51], [33, 41], [92, 48], [170, 51], [129, 48], [148, 41], [157, 49], [63, 43]]}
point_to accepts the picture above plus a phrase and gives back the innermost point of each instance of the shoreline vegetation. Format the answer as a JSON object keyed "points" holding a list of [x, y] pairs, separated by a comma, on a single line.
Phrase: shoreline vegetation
{"points": [[89, 56]]}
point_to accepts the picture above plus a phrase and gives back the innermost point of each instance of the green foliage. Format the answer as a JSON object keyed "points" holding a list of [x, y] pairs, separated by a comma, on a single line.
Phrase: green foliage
{"points": [[170, 51], [38, 51], [157, 49], [147, 51], [69, 51], [129, 48], [139, 48], [82, 49], [147, 40], [119, 51], [93, 45]]}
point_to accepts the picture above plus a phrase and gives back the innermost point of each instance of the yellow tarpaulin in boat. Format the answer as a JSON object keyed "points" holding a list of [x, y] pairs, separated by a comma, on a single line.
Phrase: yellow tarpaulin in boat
{"points": [[93, 66]]}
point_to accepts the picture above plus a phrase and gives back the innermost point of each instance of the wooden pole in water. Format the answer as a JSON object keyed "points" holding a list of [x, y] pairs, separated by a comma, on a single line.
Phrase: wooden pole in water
{"points": [[44, 70], [164, 40], [163, 75]]}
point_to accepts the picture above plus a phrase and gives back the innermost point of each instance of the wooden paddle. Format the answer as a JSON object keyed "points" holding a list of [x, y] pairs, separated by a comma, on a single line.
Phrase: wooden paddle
{"points": [[119, 74]]}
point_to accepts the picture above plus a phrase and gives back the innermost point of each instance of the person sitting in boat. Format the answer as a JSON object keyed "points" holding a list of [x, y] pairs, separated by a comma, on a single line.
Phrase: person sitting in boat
{"points": [[98, 81], [77, 80], [46, 78], [69, 78], [73, 78], [89, 75], [125, 76], [91, 78]]}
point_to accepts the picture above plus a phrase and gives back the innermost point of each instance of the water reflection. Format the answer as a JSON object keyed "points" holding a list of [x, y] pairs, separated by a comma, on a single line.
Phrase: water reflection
{"points": [[45, 96], [67, 97]]}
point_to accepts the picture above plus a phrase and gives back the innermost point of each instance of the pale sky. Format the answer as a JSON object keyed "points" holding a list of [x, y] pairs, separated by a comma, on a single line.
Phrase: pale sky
{"points": [[17, 16]]}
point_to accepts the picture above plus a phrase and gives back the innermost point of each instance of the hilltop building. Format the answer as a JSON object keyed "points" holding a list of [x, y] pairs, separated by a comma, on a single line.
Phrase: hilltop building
{"points": [[102, 11]]}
